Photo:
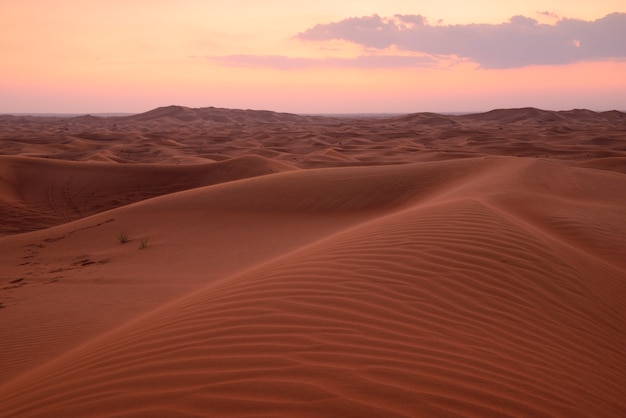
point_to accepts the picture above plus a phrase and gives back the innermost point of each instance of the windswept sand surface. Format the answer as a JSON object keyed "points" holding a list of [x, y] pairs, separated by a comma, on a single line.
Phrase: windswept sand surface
{"points": [[306, 266]]}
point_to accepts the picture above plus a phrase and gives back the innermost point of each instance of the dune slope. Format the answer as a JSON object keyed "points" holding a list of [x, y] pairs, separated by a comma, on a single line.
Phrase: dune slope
{"points": [[66, 284], [38, 193], [476, 287]]}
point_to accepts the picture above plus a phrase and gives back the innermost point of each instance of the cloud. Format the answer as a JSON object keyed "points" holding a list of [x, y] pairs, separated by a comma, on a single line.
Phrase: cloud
{"points": [[551, 15], [520, 42], [282, 62]]}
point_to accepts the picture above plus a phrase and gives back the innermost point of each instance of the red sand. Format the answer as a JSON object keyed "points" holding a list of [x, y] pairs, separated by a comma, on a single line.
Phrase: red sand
{"points": [[422, 265]]}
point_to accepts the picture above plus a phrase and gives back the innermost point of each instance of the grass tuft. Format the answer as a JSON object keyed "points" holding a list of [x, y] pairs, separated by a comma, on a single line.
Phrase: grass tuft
{"points": [[122, 238], [143, 243]]}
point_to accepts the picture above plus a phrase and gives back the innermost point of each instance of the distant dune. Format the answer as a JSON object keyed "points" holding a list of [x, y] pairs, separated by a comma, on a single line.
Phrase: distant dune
{"points": [[219, 262]]}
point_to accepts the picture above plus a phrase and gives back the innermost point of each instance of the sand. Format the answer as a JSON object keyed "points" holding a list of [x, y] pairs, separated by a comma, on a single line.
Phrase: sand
{"points": [[217, 262]]}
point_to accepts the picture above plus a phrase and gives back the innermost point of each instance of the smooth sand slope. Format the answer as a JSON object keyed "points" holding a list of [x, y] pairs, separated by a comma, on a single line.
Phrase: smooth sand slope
{"points": [[38, 193], [409, 274]]}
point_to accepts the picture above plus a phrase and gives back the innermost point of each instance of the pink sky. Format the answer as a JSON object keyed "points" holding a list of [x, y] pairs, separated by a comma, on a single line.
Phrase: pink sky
{"points": [[323, 57]]}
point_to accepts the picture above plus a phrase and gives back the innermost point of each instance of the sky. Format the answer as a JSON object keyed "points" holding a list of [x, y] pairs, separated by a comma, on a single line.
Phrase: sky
{"points": [[322, 56]]}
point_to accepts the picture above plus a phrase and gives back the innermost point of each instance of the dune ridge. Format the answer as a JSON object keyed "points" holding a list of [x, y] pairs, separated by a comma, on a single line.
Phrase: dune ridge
{"points": [[369, 278], [161, 136], [240, 222]]}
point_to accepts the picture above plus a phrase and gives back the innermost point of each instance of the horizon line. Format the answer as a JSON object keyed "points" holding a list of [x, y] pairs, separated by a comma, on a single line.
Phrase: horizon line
{"points": [[327, 114]]}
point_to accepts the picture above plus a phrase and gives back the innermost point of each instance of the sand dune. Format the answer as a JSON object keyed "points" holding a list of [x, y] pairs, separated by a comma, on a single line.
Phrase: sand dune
{"points": [[420, 265], [160, 136], [36, 193]]}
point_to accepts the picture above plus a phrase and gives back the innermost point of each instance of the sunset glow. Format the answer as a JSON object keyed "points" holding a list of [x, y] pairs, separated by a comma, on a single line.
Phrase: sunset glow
{"points": [[119, 56]]}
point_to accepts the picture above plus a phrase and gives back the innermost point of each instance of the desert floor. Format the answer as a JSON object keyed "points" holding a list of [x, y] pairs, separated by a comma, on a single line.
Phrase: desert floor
{"points": [[215, 262]]}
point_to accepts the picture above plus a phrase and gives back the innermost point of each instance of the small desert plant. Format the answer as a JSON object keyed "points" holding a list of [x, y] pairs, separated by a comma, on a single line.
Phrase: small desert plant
{"points": [[143, 243], [122, 238]]}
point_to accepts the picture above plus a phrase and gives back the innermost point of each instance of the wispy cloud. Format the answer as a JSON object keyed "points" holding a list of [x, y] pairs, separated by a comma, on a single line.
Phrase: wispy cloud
{"points": [[282, 62], [520, 42], [549, 14]]}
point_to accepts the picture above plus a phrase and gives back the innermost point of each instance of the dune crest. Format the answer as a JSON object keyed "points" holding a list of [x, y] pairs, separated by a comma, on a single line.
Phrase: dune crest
{"points": [[232, 263]]}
